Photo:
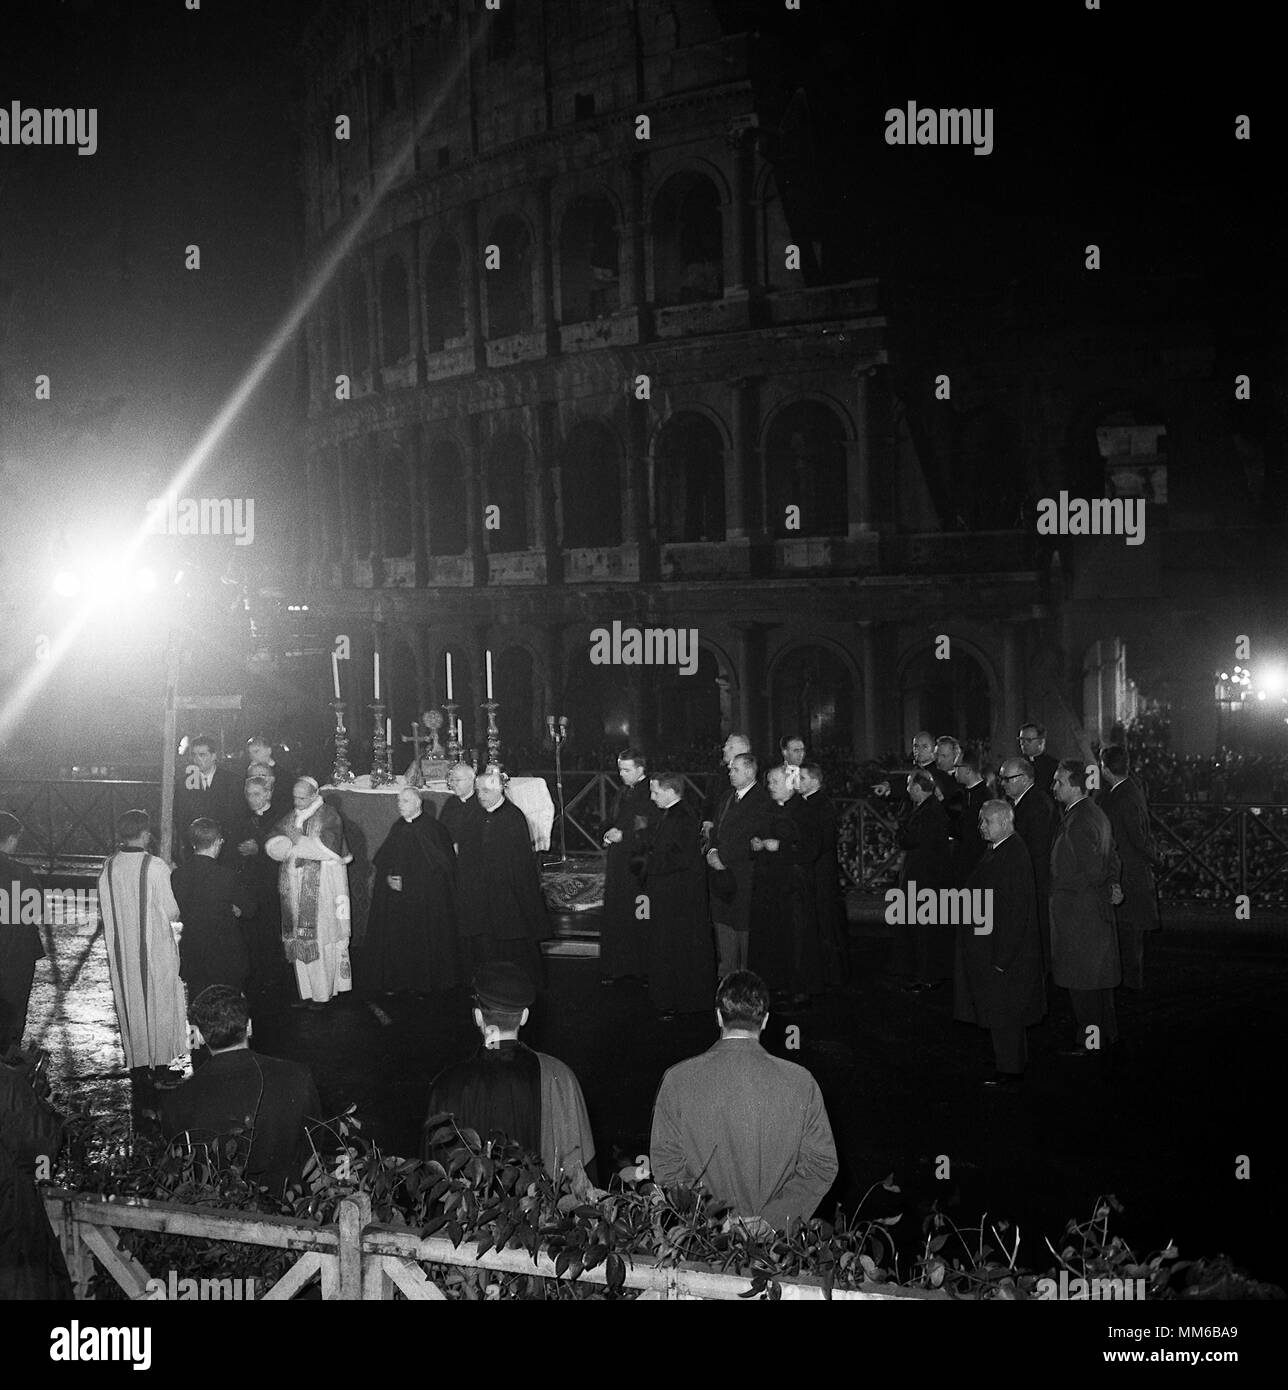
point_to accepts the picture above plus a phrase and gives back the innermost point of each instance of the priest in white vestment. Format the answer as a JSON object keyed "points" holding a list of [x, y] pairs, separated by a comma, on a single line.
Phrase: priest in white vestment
{"points": [[139, 910], [314, 886]]}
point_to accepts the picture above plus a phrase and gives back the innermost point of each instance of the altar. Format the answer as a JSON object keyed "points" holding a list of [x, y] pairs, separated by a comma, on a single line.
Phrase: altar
{"points": [[369, 813]]}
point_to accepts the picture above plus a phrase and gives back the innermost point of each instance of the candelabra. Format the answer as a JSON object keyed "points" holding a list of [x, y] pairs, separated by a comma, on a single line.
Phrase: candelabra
{"points": [[453, 743], [382, 773], [493, 736], [341, 772], [558, 731]]}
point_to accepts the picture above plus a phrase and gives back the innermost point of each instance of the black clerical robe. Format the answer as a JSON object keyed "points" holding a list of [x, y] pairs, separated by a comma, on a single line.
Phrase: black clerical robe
{"points": [[623, 936], [31, 1262], [531, 1098], [998, 977], [925, 949], [969, 843], [680, 950], [212, 949], [818, 810], [20, 948], [451, 813], [501, 912], [411, 932], [783, 949]]}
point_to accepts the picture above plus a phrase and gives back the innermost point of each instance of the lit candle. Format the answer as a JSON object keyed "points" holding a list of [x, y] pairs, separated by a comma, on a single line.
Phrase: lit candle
{"points": [[376, 658], [335, 672], [389, 733], [489, 675], [460, 732], [449, 675]]}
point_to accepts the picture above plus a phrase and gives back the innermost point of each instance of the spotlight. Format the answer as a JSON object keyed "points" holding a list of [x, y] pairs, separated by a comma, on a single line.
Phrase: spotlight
{"points": [[67, 584], [1272, 680], [145, 582]]}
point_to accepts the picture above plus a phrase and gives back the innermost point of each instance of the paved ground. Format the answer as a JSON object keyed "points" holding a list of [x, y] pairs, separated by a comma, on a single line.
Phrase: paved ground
{"points": [[1201, 1082]]}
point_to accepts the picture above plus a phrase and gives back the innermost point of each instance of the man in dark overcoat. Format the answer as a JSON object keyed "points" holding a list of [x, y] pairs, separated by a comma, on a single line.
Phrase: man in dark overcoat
{"points": [[1123, 802], [213, 899], [740, 811], [812, 804], [1037, 818], [924, 950], [622, 936], [1084, 889], [997, 981]]}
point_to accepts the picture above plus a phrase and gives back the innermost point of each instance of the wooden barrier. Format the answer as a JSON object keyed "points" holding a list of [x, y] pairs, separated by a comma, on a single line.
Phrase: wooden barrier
{"points": [[358, 1260]]}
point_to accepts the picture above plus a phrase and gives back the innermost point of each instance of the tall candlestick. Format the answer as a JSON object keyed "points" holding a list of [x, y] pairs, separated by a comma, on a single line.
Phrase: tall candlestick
{"points": [[335, 672], [376, 658], [489, 675], [449, 676]]}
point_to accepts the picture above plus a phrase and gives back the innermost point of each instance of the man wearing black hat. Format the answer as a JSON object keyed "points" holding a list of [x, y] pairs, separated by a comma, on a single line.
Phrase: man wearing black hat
{"points": [[531, 1098]]}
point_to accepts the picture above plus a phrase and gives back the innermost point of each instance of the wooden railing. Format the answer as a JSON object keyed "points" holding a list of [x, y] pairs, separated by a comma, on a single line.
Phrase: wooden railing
{"points": [[356, 1259]]}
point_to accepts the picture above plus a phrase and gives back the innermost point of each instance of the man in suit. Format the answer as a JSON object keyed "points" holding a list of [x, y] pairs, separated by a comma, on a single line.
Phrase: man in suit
{"points": [[20, 943], [1033, 747], [1085, 872], [622, 938], [211, 897], [997, 980], [749, 1126], [741, 810], [947, 789], [204, 791], [246, 854], [1123, 802], [968, 845], [814, 804], [923, 950], [1036, 821], [270, 1100], [733, 745]]}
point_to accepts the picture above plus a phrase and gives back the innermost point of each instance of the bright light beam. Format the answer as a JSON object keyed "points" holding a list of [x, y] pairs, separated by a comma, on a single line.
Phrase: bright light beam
{"points": [[41, 671]]}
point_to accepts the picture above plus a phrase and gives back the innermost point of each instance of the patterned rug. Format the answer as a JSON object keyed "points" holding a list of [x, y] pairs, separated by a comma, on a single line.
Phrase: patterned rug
{"points": [[573, 889]]}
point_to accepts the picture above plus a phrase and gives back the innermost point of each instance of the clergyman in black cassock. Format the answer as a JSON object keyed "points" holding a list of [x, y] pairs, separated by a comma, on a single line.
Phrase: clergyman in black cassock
{"points": [[500, 909], [1037, 818], [623, 937], [998, 979], [673, 879], [924, 950], [211, 897], [783, 949], [245, 852], [812, 804], [411, 929], [20, 943]]}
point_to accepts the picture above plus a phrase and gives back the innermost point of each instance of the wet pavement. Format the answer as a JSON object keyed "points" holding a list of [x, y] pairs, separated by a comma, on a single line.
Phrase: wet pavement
{"points": [[1200, 1082]]}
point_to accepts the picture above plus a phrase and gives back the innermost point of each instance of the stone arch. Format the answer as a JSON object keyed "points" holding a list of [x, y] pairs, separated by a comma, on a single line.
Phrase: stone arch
{"points": [[814, 692], [592, 486], [806, 466], [589, 259], [688, 239], [395, 316], [447, 496], [508, 288], [689, 486], [506, 488], [395, 503], [954, 696], [444, 294]]}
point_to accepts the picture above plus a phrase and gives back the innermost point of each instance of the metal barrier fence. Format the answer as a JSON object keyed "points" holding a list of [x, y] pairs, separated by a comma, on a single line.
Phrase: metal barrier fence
{"points": [[355, 1259], [1209, 852]]}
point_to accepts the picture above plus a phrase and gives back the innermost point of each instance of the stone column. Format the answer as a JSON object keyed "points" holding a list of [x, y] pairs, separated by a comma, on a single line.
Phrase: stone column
{"points": [[545, 316], [1011, 680], [737, 466], [739, 232], [474, 499], [547, 521], [417, 487], [749, 656], [858, 463], [473, 267], [871, 685]]}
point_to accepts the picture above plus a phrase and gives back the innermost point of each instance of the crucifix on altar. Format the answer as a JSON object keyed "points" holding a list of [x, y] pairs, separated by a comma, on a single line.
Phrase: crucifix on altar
{"points": [[430, 765]]}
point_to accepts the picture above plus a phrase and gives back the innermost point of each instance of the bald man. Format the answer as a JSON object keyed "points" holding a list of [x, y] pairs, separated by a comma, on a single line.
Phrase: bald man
{"points": [[997, 976]]}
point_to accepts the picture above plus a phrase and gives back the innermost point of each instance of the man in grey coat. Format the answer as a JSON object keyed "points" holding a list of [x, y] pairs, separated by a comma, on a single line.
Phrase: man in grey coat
{"points": [[1085, 871], [1123, 802]]}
